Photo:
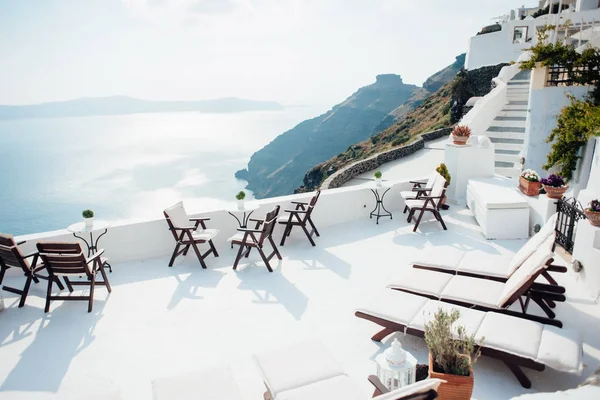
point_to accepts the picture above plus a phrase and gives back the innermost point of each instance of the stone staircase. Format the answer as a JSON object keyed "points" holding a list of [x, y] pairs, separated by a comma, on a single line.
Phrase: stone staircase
{"points": [[507, 131]]}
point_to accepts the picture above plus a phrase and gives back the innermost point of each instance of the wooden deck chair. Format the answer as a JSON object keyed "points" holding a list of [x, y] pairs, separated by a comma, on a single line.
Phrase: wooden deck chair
{"points": [[488, 295], [67, 260], [189, 232], [420, 188], [514, 341], [427, 202], [300, 216], [316, 374], [11, 257], [249, 239]]}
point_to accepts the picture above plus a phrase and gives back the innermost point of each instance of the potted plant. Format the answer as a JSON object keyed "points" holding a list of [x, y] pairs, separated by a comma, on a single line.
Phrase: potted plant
{"points": [[377, 176], [529, 183], [452, 354], [555, 186], [88, 217], [593, 212], [240, 199], [460, 134], [442, 169]]}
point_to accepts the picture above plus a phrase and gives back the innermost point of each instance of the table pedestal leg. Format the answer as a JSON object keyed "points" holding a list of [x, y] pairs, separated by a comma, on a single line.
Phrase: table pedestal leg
{"points": [[379, 206]]}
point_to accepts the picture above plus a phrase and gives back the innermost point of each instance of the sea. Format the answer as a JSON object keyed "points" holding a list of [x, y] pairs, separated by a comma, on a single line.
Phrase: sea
{"points": [[127, 167]]}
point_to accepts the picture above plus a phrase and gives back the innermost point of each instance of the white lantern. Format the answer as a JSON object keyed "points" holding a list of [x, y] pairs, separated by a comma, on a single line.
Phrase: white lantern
{"points": [[395, 367]]}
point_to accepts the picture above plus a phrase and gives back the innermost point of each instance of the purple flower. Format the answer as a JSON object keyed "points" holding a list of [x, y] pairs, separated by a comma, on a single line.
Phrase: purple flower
{"points": [[594, 206], [553, 181]]}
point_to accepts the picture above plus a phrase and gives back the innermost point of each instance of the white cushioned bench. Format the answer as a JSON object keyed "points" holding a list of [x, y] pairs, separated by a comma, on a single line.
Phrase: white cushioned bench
{"points": [[501, 211]]}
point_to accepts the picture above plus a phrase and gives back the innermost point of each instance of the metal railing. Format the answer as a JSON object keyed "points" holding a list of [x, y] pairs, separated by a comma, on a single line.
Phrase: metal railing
{"points": [[560, 75], [570, 212]]}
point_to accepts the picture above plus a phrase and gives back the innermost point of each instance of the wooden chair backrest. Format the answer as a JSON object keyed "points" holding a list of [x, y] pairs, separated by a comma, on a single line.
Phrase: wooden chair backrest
{"points": [[269, 224], [10, 254], [311, 206], [63, 258], [176, 217]]}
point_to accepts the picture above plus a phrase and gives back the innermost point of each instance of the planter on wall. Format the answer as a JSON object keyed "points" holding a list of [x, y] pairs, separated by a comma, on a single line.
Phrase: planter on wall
{"points": [[460, 140], [593, 217], [529, 188], [555, 192]]}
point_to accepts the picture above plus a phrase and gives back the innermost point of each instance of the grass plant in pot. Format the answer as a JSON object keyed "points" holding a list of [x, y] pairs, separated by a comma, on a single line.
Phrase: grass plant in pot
{"points": [[593, 212], [460, 134], [377, 176], [442, 169], [452, 354], [88, 217], [240, 199], [555, 186], [529, 183]]}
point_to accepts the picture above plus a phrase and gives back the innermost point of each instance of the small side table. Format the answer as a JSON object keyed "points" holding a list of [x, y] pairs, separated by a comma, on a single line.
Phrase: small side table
{"points": [[377, 211], [92, 245], [246, 213]]}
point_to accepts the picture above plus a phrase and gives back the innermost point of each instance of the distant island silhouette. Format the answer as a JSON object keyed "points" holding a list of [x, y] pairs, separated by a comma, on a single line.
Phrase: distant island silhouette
{"points": [[120, 105]]}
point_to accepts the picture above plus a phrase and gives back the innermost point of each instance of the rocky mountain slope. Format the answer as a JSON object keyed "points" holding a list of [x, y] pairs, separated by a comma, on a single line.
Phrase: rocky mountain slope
{"points": [[279, 167], [439, 110]]}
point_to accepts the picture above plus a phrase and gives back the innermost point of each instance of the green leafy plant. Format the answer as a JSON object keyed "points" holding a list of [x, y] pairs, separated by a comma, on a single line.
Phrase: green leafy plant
{"points": [[452, 350], [87, 214], [377, 174], [241, 195], [577, 123], [443, 171]]}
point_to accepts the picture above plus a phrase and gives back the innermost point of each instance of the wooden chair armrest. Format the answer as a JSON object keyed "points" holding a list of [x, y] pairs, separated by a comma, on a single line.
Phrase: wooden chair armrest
{"points": [[430, 197], [300, 202], [249, 230], [187, 228], [420, 189], [95, 256], [557, 268], [21, 242], [35, 253], [256, 220], [379, 386], [199, 219], [418, 181], [296, 211]]}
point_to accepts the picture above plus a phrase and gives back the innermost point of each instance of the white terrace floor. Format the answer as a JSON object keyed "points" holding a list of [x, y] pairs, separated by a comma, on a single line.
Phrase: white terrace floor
{"points": [[162, 321]]}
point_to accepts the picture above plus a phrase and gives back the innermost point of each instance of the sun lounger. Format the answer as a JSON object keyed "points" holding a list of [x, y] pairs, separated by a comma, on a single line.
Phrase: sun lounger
{"points": [[307, 371], [494, 267], [514, 341], [215, 384], [488, 295]]}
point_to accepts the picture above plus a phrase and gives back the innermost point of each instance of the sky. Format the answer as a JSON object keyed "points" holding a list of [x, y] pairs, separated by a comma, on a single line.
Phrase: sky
{"points": [[297, 52]]}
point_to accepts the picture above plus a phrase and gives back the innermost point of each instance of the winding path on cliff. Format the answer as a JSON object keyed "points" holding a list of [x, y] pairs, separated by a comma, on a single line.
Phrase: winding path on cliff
{"points": [[417, 165]]}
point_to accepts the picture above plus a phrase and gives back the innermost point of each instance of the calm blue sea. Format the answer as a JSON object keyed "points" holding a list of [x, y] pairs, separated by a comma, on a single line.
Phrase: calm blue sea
{"points": [[126, 167]]}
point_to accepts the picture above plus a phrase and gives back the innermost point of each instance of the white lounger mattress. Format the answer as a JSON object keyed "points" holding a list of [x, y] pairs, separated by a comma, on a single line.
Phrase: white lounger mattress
{"points": [[559, 349], [493, 196]]}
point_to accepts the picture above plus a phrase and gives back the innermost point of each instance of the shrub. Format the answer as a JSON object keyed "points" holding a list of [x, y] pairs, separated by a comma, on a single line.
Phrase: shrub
{"points": [[241, 195], [87, 214], [443, 171], [400, 140], [553, 181], [452, 354], [377, 174]]}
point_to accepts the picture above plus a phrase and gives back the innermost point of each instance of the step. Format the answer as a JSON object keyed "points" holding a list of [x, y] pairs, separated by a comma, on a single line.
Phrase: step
{"points": [[515, 107], [508, 139], [518, 82], [511, 118], [511, 98], [517, 103], [508, 158], [513, 113], [507, 129], [504, 164], [498, 152], [509, 172], [500, 146]]}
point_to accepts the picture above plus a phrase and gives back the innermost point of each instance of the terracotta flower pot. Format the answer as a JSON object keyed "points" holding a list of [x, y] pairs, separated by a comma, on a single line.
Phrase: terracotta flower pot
{"points": [[456, 387], [460, 140], [593, 217], [529, 188], [555, 192]]}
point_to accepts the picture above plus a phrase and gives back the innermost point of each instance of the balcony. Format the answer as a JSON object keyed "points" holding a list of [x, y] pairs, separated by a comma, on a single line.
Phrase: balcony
{"points": [[162, 321]]}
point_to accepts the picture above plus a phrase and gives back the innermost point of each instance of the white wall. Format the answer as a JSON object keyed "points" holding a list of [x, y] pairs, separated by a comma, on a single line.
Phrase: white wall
{"points": [[544, 105], [592, 191], [583, 5], [134, 241]]}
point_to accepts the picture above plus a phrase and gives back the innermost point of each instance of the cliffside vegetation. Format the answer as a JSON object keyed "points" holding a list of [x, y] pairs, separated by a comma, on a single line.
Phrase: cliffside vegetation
{"points": [[439, 110]]}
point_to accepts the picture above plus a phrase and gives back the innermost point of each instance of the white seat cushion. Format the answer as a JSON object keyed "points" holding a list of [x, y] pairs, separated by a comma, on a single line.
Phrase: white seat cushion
{"points": [[479, 263], [532, 244], [238, 237], [339, 387], [442, 258], [492, 196], [561, 349], [394, 306], [205, 234], [513, 335], [178, 216], [215, 384], [297, 365], [416, 204], [420, 281], [423, 386], [469, 318], [473, 291]]}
